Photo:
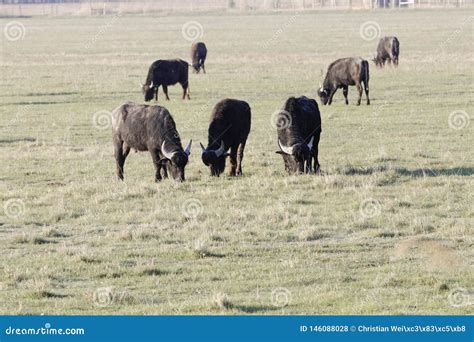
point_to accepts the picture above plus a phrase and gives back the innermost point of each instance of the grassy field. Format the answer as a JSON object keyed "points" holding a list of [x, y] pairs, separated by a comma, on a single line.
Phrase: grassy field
{"points": [[386, 229]]}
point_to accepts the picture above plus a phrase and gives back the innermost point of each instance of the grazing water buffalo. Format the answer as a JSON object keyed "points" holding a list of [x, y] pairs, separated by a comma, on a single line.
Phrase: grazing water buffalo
{"points": [[343, 73], [298, 139], [388, 49], [164, 73], [198, 56], [149, 128], [229, 128]]}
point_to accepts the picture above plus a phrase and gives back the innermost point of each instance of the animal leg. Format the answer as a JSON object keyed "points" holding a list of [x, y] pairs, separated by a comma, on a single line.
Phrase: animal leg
{"points": [[119, 157], [186, 90], [126, 151], [331, 96], [164, 172], [359, 90], [240, 156], [203, 68], [156, 162], [366, 88], [233, 161], [165, 90], [315, 151], [345, 91]]}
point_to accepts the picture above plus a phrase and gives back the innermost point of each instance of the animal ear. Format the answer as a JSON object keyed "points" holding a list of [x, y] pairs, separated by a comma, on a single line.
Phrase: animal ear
{"points": [[163, 161], [280, 152]]}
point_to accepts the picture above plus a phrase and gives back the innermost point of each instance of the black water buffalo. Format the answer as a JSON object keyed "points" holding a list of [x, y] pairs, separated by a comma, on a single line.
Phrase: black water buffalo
{"points": [[298, 135], [149, 128], [164, 73], [198, 56], [343, 73], [387, 50], [228, 129]]}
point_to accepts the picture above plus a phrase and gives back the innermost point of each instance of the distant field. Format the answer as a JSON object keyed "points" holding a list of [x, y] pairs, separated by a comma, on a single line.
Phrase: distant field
{"points": [[387, 228]]}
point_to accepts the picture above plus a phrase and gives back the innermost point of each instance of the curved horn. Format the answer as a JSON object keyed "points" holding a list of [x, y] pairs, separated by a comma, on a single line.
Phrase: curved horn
{"points": [[220, 151], [203, 149], [165, 153], [310, 144], [151, 84], [187, 150], [285, 149]]}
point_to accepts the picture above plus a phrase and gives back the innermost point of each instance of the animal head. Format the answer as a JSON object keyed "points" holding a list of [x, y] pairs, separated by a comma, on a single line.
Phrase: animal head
{"points": [[378, 61], [175, 161], [297, 153], [323, 94], [196, 67], [214, 159], [148, 91]]}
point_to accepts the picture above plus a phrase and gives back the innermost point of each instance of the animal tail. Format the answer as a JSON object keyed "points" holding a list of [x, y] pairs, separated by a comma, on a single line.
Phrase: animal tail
{"points": [[364, 73], [395, 50]]}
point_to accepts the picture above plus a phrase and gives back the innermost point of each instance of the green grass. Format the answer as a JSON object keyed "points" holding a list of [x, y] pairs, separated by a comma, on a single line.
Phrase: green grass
{"points": [[387, 229]]}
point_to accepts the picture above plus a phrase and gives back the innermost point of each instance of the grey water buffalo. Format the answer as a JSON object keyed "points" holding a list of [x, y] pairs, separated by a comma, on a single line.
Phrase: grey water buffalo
{"points": [[165, 73], [198, 56], [149, 128], [228, 129], [343, 73], [387, 50], [299, 132]]}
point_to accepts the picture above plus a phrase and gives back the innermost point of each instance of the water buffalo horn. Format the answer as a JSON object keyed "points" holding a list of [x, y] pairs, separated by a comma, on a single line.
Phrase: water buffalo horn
{"points": [[285, 149], [187, 150], [220, 151], [165, 153], [202, 148]]}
